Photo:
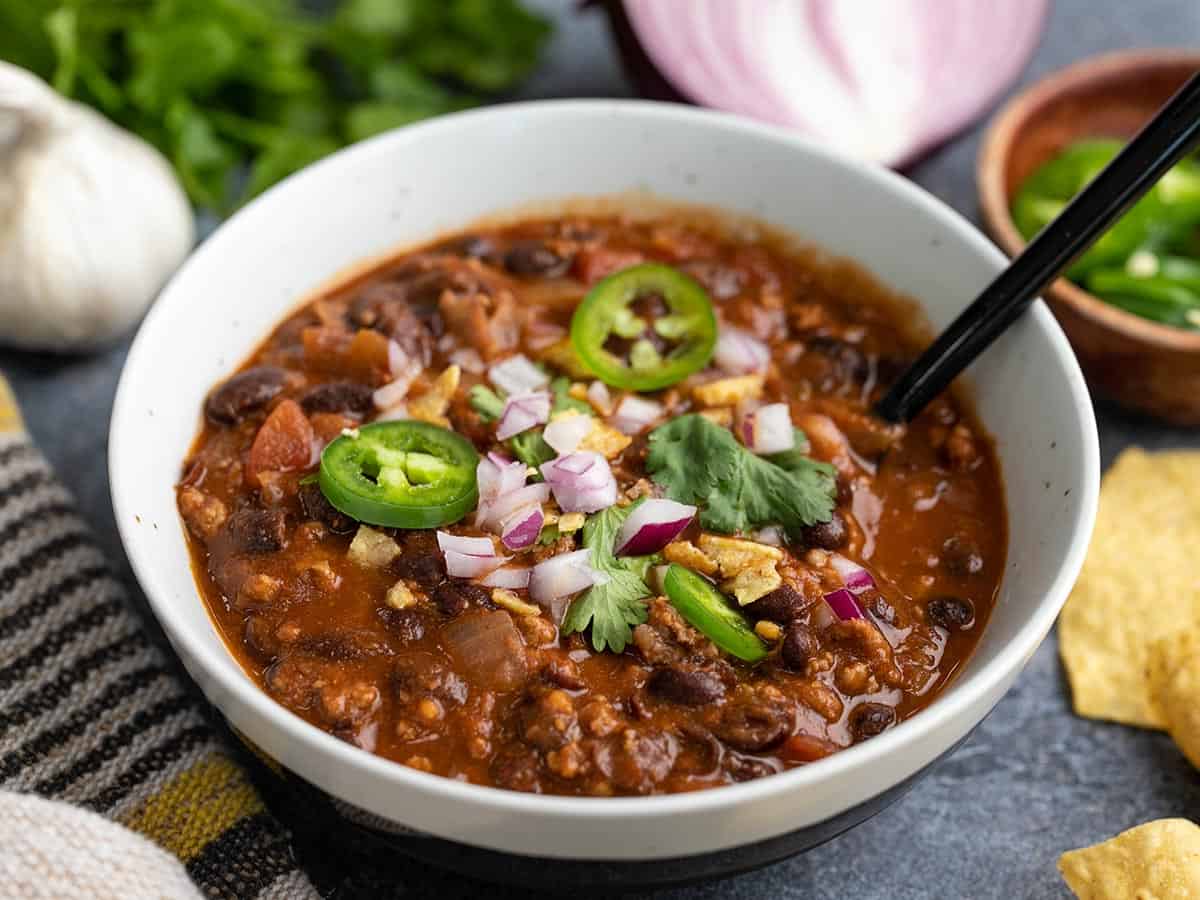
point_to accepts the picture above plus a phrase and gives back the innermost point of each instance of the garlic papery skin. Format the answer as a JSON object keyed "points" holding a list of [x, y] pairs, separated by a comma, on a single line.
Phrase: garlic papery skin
{"points": [[92, 220]]}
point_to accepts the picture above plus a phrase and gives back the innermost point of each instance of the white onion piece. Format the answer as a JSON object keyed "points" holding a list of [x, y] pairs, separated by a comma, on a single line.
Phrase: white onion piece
{"points": [[653, 525], [563, 575], [462, 565], [771, 534], [740, 353], [469, 360], [517, 375], [885, 80], [600, 397], [522, 412], [582, 482], [565, 435], [520, 529], [404, 371], [514, 578], [469, 546], [769, 429], [396, 413], [636, 414], [856, 579], [490, 515]]}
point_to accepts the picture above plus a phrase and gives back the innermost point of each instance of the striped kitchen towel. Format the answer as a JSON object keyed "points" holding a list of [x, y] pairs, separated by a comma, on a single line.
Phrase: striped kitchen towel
{"points": [[94, 714]]}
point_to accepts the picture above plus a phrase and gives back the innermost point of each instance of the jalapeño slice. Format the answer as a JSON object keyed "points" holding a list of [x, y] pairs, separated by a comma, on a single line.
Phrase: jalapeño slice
{"points": [[707, 610], [401, 474], [644, 328]]}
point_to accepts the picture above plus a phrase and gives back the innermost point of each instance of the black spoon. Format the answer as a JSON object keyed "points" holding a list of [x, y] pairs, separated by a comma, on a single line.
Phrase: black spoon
{"points": [[1169, 136]]}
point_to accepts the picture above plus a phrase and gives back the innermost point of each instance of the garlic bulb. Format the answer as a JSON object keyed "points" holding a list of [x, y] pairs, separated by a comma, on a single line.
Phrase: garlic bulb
{"points": [[92, 220]]}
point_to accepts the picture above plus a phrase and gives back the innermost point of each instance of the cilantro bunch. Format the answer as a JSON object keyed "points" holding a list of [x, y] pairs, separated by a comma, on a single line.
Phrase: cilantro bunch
{"points": [[218, 85]]}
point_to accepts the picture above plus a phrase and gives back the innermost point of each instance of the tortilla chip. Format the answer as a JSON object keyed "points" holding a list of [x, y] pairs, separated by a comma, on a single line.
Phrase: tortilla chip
{"points": [[1139, 584], [1175, 681], [1156, 861]]}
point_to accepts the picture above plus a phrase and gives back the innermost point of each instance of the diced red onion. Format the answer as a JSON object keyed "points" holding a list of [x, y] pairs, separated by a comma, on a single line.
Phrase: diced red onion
{"points": [[600, 397], [521, 528], [740, 353], [844, 605], [396, 413], [563, 575], [490, 515], [522, 412], [653, 525], [469, 360], [469, 546], [517, 375], [497, 475], [404, 370], [635, 414], [887, 86], [771, 534], [855, 577], [769, 429], [514, 578], [463, 565], [581, 481], [565, 435]]}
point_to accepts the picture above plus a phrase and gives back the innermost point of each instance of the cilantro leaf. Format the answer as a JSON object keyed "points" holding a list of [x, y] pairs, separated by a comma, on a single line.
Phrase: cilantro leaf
{"points": [[612, 608], [486, 402], [698, 462]]}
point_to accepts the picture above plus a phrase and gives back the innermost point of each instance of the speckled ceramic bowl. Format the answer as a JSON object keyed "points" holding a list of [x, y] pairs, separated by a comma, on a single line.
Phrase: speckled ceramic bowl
{"points": [[411, 184]]}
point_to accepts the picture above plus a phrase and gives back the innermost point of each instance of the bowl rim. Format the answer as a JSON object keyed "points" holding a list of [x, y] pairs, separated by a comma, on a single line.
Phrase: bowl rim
{"points": [[1003, 134], [961, 696]]}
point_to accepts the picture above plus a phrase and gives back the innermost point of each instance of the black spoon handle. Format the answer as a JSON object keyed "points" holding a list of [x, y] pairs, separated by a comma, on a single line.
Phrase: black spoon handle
{"points": [[1169, 136]]}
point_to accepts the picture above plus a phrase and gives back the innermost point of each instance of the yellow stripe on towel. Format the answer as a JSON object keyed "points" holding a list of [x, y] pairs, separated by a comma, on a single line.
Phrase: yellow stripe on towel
{"points": [[197, 807]]}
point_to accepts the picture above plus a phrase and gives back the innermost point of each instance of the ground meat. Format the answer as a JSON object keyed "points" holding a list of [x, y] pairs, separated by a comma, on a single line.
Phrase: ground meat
{"points": [[347, 397], [453, 597], [420, 559], [687, 687], [549, 722], [244, 393], [756, 717], [343, 644], [419, 675], [336, 698], [828, 535], [517, 768], [319, 509], [253, 530], [869, 643], [640, 759], [492, 325], [203, 515]]}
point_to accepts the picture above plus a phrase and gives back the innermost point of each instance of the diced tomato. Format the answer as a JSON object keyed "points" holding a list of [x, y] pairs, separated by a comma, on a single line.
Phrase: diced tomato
{"points": [[806, 748], [362, 355], [284, 443], [593, 263]]}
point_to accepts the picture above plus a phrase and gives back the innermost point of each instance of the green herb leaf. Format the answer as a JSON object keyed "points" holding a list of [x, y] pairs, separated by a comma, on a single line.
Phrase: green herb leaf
{"points": [[612, 608], [528, 446], [700, 463], [486, 402]]}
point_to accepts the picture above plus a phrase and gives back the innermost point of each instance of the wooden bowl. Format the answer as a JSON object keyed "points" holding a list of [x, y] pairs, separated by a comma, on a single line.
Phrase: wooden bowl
{"points": [[1142, 365]]}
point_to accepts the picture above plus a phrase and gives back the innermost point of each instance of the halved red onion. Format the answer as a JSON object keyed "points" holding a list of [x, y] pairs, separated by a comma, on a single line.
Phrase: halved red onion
{"points": [[855, 577], [469, 546], [581, 481], [886, 86], [844, 605], [740, 353], [563, 575], [522, 412], [520, 529], [489, 515], [464, 565], [600, 397], [565, 435], [635, 414], [515, 578], [653, 525], [769, 429], [517, 375]]}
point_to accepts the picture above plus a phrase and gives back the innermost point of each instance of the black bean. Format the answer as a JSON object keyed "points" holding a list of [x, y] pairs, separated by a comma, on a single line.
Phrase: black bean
{"points": [[337, 397], [407, 625], [342, 644], [535, 258], [747, 768], [686, 687], [427, 569], [870, 719], [961, 556], [453, 597], [849, 363], [951, 613], [753, 726], [472, 246], [319, 509], [829, 535], [799, 646], [257, 530], [782, 605], [244, 393]]}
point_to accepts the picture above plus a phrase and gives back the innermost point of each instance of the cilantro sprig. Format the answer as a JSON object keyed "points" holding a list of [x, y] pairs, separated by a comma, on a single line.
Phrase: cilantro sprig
{"points": [[612, 608], [528, 446], [698, 462]]}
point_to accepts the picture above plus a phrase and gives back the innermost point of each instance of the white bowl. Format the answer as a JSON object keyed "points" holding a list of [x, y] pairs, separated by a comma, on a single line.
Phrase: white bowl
{"points": [[411, 184]]}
